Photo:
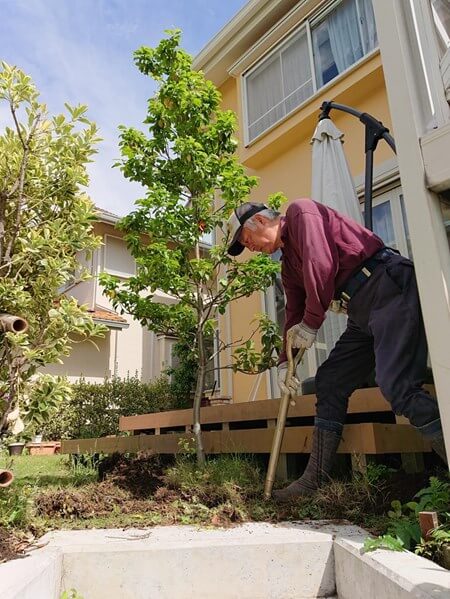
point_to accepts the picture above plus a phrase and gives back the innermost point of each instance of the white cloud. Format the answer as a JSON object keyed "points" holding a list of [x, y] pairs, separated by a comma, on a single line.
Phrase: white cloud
{"points": [[81, 52]]}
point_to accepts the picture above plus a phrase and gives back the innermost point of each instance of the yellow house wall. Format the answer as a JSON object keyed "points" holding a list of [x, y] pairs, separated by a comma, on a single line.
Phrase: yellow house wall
{"points": [[282, 160]]}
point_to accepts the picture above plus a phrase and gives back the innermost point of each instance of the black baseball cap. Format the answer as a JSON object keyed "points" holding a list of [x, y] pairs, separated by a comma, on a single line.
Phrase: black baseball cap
{"points": [[236, 221]]}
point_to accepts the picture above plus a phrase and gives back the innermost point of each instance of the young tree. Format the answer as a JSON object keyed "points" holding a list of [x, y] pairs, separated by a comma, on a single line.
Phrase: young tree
{"points": [[45, 219], [193, 181]]}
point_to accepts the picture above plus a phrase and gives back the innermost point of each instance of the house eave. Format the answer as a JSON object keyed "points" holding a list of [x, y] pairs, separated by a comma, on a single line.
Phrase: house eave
{"points": [[106, 217], [244, 29], [112, 324]]}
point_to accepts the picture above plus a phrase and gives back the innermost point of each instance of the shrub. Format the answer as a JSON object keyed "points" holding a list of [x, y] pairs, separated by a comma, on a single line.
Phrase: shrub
{"points": [[184, 376], [93, 410]]}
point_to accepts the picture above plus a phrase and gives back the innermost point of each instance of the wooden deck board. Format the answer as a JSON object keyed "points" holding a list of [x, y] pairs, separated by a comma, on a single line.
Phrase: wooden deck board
{"points": [[362, 400], [366, 438]]}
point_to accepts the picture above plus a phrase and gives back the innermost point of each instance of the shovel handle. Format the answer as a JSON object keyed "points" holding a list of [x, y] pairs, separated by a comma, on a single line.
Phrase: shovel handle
{"points": [[281, 420]]}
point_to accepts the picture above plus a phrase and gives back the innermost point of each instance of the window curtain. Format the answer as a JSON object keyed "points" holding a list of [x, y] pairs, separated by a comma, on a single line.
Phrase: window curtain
{"points": [[344, 35], [264, 93], [296, 68], [279, 85], [368, 26]]}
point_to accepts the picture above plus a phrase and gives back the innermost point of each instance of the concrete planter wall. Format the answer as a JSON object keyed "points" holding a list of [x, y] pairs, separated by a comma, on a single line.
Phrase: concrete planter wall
{"points": [[254, 561]]}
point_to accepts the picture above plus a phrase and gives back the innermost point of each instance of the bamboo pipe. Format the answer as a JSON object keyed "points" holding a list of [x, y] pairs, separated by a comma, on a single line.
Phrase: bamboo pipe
{"points": [[281, 420], [6, 478], [13, 324]]}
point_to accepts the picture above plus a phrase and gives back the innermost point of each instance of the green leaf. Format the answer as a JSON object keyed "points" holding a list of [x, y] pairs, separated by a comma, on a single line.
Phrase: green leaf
{"points": [[383, 542]]}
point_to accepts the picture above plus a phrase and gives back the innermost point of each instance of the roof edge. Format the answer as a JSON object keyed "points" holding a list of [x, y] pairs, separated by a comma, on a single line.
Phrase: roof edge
{"points": [[104, 216], [223, 36], [238, 34]]}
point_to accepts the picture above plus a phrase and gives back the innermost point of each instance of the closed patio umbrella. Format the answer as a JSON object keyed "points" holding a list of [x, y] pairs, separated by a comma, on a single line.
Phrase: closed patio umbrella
{"points": [[332, 183]]}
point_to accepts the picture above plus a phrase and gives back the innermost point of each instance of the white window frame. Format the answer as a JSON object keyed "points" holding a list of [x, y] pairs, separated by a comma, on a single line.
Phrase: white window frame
{"points": [[306, 24], [117, 273]]}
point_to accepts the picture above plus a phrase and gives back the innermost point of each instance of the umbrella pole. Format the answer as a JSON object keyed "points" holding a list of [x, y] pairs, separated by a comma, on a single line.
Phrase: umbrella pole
{"points": [[281, 420], [368, 183]]}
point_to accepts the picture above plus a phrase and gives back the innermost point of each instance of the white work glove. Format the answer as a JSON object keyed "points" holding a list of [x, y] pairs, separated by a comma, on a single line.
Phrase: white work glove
{"points": [[292, 386], [302, 336]]}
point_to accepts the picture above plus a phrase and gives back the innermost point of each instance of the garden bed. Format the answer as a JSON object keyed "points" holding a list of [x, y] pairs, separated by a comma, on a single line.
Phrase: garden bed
{"points": [[51, 492]]}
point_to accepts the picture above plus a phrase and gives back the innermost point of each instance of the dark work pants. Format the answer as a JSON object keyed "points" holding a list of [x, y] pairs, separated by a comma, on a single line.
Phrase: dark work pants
{"points": [[385, 331]]}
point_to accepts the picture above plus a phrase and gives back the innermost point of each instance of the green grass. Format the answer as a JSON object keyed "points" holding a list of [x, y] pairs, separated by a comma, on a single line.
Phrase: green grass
{"points": [[225, 470], [47, 471], [33, 475]]}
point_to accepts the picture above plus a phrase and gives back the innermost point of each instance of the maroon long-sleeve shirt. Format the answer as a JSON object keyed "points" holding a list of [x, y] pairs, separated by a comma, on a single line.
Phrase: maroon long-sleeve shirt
{"points": [[322, 248]]}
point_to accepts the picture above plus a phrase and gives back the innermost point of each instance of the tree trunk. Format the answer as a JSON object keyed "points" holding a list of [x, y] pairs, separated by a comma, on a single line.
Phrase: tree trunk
{"points": [[197, 428], [198, 398]]}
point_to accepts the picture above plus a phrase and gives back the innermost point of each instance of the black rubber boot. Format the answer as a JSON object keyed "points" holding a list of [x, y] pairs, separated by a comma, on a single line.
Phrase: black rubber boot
{"points": [[318, 469], [438, 446]]}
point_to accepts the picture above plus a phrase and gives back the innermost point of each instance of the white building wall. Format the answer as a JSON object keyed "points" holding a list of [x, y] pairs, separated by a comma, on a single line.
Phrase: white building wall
{"points": [[123, 352], [86, 361]]}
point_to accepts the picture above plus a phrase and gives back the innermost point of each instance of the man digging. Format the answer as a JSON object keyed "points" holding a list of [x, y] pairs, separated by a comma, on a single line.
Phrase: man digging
{"points": [[330, 260]]}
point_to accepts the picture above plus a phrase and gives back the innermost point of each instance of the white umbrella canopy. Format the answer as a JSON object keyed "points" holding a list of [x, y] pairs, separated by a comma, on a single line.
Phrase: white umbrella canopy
{"points": [[332, 183]]}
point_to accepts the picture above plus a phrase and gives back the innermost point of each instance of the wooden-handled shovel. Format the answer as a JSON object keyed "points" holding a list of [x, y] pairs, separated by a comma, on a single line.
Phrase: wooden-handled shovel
{"points": [[281, 420]]}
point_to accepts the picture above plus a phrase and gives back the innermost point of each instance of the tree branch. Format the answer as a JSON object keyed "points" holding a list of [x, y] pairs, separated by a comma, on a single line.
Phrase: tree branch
{"points": [[23, 166], [16, 123]]}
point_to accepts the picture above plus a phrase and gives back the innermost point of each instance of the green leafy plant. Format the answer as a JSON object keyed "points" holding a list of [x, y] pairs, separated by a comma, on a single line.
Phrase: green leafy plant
{"points": [[376, 473], [404, 518], [384, 542], [248, 359], [435, 497], [186, 446], [15, 506], [434, 547], [183, 378], [45, 222], [43, 399], [186, 163]]}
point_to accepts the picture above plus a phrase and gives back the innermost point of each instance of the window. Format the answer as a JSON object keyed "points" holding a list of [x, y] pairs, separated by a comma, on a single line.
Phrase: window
{"points": [[279, 85], [389, 221], [342, 37], [312, 56], [383, 225], [117, 258]]}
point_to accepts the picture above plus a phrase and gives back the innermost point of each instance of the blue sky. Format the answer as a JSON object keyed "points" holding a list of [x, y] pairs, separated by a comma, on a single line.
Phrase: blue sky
{"points": [[80, 51]]}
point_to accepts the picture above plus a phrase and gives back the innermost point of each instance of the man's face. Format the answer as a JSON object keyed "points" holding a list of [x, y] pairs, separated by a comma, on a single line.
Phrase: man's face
{"points": [[265, 238]]}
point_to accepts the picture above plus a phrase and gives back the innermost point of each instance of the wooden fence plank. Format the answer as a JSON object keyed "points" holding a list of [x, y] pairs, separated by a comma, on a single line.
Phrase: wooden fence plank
{"points": [[366, 438]]}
